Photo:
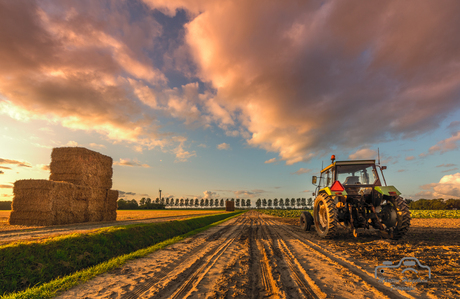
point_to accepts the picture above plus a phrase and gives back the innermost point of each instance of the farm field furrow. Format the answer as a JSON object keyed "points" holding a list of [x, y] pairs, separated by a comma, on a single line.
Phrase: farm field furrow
{"points": [[262, 256], [11, 233]]}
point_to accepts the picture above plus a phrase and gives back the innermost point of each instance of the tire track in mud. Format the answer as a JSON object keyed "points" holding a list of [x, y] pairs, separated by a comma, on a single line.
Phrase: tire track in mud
{"points": [[380, 290], [305, 287], [140, 289], [182, 280], [250, 256]]}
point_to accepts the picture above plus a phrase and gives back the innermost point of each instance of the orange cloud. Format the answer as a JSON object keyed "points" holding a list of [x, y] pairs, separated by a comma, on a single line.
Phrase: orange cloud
{"points": [[131, 163], [305, 77]]}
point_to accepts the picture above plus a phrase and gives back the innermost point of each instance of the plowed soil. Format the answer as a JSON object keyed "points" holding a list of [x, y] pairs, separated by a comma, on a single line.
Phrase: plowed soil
{"points": [[261, 256]]}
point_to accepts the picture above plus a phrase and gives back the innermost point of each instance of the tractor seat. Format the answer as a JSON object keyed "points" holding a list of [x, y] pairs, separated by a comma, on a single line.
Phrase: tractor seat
{"points": [[351, 180]]}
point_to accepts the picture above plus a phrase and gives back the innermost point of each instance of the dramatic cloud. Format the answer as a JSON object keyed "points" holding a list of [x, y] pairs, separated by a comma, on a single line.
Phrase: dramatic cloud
{"points": [[14, 162], [1, 172], [6, 186], [131, 163], [305, 77], [299, 79], [364, 153], [272, 160], [301, 171], [4, 167], [223, 146], [71, 63], [448, 187]]}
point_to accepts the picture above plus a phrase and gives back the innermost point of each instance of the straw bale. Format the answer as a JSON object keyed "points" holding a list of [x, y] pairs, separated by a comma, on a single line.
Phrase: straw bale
{"points": [[63, 202], [81, 166], [111, 206], [97, 204], [32, 195], [31, 218]]}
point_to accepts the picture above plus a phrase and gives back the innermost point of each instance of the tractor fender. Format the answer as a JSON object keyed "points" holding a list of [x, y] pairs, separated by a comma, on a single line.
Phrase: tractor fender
{"points": [[387, 190]]}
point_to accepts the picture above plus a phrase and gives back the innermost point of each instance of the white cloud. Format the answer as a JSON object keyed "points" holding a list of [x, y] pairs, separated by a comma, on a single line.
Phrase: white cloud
{"points": [[448, 187], [72, 143], [210, 194], [223, 146]]}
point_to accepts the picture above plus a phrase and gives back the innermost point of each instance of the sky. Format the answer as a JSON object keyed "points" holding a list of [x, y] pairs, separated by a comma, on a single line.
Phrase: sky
{"points": [[232, 99]]}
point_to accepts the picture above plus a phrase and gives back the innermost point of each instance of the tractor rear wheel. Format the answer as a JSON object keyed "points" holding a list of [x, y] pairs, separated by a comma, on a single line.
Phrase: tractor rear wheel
{"points": [[325, 216], [306, 221], [402, 219]]}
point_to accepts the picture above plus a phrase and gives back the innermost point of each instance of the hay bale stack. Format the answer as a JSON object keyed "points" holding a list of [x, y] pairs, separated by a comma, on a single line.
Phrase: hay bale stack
{"points": [[81, 166], [42, 202], [78, 191], [111, 212]]}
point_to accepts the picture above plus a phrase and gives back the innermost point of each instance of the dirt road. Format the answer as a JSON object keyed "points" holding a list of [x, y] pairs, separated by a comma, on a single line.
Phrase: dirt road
{"points": [[251, 256], [12, 233]]}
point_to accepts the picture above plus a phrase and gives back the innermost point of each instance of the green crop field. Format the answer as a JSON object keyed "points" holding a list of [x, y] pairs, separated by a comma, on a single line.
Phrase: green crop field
{"points": [[449, 214]]}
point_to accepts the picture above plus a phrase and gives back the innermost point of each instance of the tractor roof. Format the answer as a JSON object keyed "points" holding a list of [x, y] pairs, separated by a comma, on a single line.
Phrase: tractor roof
{"points": [[350, 162]]}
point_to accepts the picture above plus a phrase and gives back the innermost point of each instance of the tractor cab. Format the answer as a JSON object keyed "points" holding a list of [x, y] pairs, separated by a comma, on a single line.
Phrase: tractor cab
{"points": [[354, 177]]}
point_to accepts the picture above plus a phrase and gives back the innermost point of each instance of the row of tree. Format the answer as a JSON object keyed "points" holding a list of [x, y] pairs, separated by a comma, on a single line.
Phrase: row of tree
{"points": [[5, 205], [299, 203], [434, 204], [147, 203]]}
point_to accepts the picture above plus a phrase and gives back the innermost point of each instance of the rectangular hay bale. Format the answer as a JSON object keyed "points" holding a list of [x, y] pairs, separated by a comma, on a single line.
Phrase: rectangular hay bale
{"points": [[31, 218], [62, 202], [81, 166], [111, 206]]}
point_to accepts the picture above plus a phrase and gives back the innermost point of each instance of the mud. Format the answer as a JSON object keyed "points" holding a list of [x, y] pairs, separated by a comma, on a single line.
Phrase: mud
{"points": [[260, 256]]}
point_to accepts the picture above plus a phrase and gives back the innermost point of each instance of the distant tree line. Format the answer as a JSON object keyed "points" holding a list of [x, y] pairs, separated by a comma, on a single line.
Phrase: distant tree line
{"points": [[5, 205], [293, 203], [434, 204], [206, 203]]}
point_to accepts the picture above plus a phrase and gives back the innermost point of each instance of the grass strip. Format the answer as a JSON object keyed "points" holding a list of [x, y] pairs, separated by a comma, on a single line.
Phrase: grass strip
{"points": [[435, 214], [26, 264], [52, 288]]}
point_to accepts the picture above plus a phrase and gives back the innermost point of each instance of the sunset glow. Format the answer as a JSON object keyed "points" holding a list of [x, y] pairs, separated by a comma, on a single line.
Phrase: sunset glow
{"points": [[232, 99]]}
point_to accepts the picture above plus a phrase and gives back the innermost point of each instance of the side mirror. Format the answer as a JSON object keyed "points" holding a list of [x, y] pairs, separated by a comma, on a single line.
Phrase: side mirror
{"points": [[383, 167], [313, 179]]}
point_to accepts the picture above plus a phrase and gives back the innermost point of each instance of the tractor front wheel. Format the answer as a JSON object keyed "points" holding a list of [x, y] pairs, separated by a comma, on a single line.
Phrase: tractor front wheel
{"points": [[325, 216], [306, 221]]}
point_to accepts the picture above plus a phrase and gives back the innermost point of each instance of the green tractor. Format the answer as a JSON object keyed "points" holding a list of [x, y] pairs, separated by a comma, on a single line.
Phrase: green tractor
{"points": [[350, 194]]}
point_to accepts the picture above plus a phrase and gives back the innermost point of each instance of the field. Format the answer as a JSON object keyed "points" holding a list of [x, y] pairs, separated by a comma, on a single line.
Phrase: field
{"points": [[10, 233], [261, 256], [256, 255], [447, 214], [123, 215]]}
